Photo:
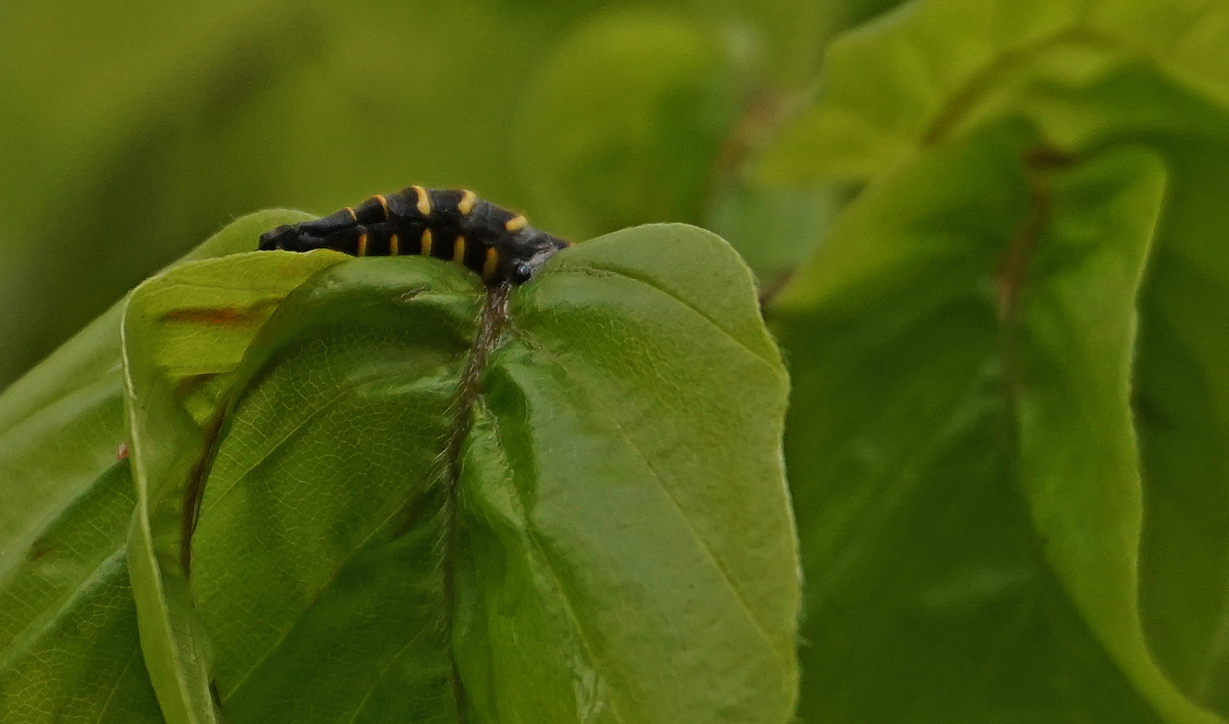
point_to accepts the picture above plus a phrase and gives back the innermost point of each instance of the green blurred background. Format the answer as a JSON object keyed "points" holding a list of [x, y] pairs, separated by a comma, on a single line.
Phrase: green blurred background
{"points": [[131, 131]]}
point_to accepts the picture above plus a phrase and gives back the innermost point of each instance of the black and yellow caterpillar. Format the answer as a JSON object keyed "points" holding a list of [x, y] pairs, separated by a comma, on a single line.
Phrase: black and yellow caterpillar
{"points": [[452, 224]]}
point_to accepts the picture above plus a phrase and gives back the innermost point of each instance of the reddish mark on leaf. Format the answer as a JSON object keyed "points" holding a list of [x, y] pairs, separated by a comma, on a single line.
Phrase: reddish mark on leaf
{"points": [[122, 451], [221, 316], [39, 549]]}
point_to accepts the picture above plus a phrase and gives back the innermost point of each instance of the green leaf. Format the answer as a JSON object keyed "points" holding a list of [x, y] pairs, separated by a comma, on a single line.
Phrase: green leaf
{"points": [[67, 620], [961, 445], [194, 320], [644, 357], [413, 514], [1186, 38], [935, 70], [328, 455], [66, 613], [1071, 387], [67, 624], [902, 81], [1180, 386]]}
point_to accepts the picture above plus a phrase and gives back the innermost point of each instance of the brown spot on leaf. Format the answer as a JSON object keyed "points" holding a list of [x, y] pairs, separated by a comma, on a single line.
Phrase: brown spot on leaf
{"points": [[221, 316]]}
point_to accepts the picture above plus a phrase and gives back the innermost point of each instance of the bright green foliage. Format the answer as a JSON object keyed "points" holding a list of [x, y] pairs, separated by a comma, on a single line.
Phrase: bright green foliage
{"points": [[194, 321], [684, 503], [67, 617], [935, 69], [584, 558], [990, 238], [1006, 444]]}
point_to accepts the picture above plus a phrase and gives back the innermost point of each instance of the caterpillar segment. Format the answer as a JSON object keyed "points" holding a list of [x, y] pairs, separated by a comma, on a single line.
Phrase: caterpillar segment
{"points": [[449, 224]]}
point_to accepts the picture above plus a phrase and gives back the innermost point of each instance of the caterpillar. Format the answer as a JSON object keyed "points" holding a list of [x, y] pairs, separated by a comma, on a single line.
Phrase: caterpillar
{"points": [[453, 224]]}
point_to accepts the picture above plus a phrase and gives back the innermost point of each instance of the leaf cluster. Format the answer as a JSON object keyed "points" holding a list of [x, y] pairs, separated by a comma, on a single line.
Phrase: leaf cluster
{"points": [[989, 243]]}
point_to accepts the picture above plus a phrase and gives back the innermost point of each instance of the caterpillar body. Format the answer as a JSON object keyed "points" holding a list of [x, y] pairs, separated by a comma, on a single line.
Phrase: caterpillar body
{"points": [[452, 224]]}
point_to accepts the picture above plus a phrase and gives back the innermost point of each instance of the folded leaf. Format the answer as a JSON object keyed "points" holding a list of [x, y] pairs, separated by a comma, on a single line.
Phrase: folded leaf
{"points": [[422, 503], [67, 619], [964, 465]]}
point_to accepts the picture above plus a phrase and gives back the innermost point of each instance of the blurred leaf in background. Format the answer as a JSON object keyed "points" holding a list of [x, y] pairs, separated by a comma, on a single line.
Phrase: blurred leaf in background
{"points": [[1011, 352], [130, 133]]}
